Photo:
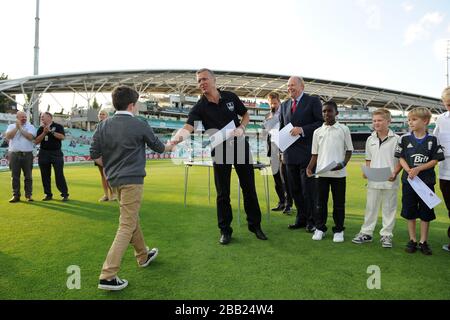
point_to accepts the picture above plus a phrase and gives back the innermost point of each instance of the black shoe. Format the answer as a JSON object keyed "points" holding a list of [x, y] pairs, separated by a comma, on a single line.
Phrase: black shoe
{"points": [[287, 210], [151, 255], [426, 250], [29, 199], [411, 247], [225, 238], [279, 207], [66, 198], [260, 234], [310, 229], [14, 199], [47, 198], [115, 284], [296, 226]]}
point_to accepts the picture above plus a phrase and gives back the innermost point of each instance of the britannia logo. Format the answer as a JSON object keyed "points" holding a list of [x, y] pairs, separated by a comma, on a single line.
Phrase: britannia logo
{"points": [[230, 106], [419, 158]]}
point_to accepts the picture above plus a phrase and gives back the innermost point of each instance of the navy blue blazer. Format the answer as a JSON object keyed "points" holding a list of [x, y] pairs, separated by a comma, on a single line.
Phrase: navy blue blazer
{"points": [[309, 117]]}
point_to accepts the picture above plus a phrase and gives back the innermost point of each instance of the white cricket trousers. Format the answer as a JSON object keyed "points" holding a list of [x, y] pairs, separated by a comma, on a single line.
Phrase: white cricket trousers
{"points": [[387, 199]]}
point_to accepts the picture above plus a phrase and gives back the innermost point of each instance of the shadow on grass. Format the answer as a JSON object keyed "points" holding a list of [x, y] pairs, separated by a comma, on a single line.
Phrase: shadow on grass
{"points": [[8, 262], [357, 218], [79, 208], [12, 273]]}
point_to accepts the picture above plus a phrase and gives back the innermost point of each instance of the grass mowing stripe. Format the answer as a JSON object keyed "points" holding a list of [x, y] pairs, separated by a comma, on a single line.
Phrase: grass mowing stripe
{"points": [[39, 240]]}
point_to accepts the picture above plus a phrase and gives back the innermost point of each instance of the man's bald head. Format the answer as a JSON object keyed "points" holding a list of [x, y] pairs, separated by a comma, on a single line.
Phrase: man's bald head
{"points": [[22, 117], [296, 85]]}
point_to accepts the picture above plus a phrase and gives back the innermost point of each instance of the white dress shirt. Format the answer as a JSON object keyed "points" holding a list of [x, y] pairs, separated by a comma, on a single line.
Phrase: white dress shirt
{"points": [[442, 132], [19, 143]]}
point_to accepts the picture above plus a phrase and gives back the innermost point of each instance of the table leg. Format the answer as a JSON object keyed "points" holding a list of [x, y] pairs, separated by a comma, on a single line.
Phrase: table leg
{"points": [[209, 185], [239, 203], [266, 176], [186, 175]]}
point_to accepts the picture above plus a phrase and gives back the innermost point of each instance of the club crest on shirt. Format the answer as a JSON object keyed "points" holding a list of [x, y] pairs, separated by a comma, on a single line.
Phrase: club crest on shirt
{"points": [[230, 106]]}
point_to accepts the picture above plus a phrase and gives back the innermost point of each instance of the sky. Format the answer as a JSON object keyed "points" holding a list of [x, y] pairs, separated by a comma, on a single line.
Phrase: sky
{"points": [[394, 44]]}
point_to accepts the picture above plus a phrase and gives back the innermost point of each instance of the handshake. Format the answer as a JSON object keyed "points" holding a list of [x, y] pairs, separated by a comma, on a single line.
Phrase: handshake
{"points": [[170, 145]]}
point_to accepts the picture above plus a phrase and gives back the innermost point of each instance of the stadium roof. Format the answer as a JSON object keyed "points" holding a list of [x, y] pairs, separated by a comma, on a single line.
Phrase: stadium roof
{"points": [[245, 84]]}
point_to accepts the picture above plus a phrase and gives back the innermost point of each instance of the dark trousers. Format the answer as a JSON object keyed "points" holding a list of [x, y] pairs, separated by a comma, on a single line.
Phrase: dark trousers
{"points": [[337, 186], [18, 162], [47, 159], [281, 185], [445, 189], [222, 179], [303, 193]]}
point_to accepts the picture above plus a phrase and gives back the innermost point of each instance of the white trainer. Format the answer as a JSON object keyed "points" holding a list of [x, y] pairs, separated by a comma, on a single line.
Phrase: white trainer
{"points": [[318, 235], [338, 237]]}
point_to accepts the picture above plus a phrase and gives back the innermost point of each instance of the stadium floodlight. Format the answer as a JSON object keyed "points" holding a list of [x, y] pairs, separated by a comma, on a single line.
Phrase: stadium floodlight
{"points": [[36, 41], [35, 100], [448, 57]]}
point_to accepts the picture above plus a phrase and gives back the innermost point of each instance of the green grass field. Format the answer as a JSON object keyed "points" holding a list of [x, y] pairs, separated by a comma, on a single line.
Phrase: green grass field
{"points": [[39, 240]]}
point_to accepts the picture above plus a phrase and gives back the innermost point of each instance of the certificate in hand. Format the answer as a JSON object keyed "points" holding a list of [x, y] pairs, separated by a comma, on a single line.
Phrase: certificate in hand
{"points": [[224, 134], [425, 193], [377, 174], [272, 123], [327, 168], [284, 138]]}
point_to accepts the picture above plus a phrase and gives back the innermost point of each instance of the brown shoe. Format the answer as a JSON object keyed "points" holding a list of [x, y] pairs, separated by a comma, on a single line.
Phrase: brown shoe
{"points": [[104, 198]]}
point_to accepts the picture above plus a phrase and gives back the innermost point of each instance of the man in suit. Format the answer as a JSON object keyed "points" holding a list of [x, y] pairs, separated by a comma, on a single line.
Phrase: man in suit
{"points": [[305, 114], [272, 122]]}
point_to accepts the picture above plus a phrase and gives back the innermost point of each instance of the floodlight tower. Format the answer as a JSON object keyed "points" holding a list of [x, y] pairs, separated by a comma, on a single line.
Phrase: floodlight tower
{"points": [[35, 99], [447, 58]]}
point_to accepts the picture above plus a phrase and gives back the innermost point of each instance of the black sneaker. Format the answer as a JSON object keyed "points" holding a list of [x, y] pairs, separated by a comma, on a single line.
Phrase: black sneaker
{"points": [[362, 238], [411, 246], [65, 199], [114, 285], [150, 257], [426, 250], [47, 198]]}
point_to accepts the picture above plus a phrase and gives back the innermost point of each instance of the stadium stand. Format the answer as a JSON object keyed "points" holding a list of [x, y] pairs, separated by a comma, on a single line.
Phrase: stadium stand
{"points": [[171, 93]]}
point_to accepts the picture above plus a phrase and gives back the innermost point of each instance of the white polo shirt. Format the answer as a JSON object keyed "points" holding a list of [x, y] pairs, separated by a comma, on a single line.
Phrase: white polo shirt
{"points": [[381, 155], [19, 142], [331, 143], [442, 132]]}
